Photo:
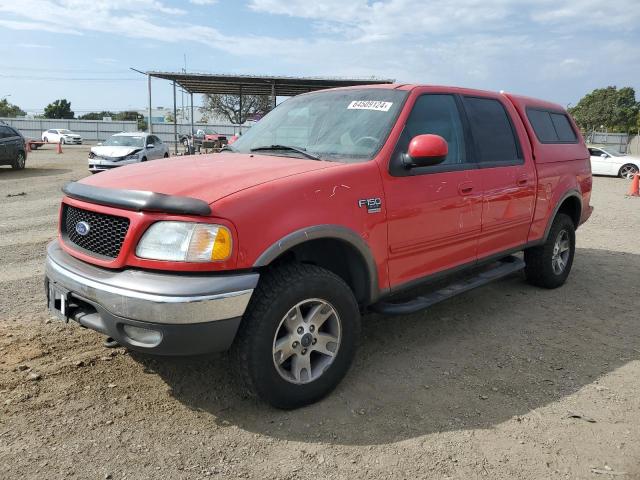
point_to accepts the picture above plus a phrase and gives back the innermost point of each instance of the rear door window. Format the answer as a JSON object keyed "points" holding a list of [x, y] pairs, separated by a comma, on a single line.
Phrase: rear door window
{"points": [[493, 134]]}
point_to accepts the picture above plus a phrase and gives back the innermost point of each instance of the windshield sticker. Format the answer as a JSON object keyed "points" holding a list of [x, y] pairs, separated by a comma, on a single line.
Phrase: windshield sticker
{"points": [[370, 105]]}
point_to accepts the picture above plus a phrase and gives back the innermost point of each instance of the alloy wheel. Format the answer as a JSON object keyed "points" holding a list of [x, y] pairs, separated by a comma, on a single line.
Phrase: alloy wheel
{"points": [[628, 171], [20, 161], [561, 252], [306, 341]]}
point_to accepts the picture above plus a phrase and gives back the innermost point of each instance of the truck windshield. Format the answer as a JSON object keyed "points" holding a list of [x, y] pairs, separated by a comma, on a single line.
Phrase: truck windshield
{"points": [[341, 125]]}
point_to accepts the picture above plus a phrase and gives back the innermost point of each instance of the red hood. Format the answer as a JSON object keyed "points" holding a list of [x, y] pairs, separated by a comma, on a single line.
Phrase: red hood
{"points": [[207, 177]]}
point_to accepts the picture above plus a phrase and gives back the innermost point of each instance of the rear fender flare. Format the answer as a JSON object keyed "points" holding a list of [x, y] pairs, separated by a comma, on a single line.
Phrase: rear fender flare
{"points": [[552, 217]]}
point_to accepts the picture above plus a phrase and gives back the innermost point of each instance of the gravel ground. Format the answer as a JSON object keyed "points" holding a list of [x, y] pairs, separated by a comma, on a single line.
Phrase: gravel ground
{"points": [[507, 381]]}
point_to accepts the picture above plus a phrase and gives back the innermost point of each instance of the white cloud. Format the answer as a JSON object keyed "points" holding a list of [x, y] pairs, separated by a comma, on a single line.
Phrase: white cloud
{"points": [[203, 2], [34, 45], [531, 46]]}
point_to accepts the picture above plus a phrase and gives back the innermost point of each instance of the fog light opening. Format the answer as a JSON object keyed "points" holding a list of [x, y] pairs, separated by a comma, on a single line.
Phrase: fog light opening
{"points": [[143, 337]]}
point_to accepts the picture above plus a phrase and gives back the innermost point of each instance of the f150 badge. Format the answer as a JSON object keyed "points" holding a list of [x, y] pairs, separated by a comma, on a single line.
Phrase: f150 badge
{"points": [[374, 205]]}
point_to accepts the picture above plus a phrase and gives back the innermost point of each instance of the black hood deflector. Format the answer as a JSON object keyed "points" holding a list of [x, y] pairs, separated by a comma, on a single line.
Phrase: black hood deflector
{"points": [[137, 200]]}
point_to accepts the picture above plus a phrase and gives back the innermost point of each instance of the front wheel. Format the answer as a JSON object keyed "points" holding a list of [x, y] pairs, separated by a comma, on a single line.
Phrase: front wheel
{"points": [[548, 265], [62, 141], [628, 171], [19, 162], [298, 336]]}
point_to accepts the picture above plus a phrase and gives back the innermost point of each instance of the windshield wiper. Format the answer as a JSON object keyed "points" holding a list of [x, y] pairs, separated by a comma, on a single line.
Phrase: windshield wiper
{"points": [[299, 150]]}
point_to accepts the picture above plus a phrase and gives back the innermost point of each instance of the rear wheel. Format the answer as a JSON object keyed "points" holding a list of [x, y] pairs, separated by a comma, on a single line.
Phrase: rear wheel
{"points": [[628, 171], [19, 162], [298, 336], [144, 159], [62, 141], [548, 265], [46, 140], [166, 155]]}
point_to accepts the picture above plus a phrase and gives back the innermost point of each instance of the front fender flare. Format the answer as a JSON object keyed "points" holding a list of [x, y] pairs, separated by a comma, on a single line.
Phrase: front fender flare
{"points": [[315, 232]]}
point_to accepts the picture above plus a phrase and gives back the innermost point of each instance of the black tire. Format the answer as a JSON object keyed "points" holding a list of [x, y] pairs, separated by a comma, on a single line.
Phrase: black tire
{"points": [[62, 141], [144, 159], [279, 291], [185, 143], [20, 161], [166, 155], [540, 269], [627, 171], [46, 140]]}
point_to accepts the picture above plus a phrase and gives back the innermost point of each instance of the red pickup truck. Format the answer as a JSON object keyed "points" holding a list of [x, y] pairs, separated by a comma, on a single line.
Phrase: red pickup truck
{"points": [[336, 203]]}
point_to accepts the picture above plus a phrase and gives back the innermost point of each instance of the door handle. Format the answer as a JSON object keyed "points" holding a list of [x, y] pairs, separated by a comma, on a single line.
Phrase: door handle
{"points": [[522, 180], [465, 188]]}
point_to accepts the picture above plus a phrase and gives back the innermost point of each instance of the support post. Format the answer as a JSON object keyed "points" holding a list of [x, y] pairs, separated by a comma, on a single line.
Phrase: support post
{"points": [[193, 132], [273, 93], [150, 123], [240, 113], [175, 121]]}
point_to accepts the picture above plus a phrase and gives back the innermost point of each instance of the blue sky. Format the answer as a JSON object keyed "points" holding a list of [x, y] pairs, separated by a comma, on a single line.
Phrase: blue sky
{"points": [[82, 49]]}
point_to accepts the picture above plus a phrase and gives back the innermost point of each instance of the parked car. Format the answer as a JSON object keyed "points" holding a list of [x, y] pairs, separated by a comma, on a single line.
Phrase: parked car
{"points": [[13, 148], [606, 161], [61, 135], [218, 139], [336, 203], [124, 149]]}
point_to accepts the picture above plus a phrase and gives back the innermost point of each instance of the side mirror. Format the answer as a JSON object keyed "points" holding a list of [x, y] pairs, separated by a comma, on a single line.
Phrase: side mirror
{"points": [[426, 150], [604, 155]]}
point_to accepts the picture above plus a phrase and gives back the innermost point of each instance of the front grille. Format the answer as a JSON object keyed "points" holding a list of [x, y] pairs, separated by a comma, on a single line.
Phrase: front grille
{"points": [[105, 235]]}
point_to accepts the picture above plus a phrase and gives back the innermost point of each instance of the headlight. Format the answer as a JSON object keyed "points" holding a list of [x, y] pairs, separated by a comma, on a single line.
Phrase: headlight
{"points": [[185, 242]]}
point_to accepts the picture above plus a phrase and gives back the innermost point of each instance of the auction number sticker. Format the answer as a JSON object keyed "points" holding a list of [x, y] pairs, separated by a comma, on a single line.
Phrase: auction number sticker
{"points": [[370, 105]]}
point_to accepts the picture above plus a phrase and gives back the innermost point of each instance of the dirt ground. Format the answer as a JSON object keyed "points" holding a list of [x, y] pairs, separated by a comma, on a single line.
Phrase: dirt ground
{"points": [[481, 386]]}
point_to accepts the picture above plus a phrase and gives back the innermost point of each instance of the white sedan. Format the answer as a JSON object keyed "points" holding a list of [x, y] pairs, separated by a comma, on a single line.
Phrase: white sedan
{"points": [[124, 149], [61, 135], [609, 162]]}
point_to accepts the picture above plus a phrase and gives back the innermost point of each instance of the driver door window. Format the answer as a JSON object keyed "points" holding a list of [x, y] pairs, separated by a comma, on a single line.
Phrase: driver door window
{"points": [[438, 115]]}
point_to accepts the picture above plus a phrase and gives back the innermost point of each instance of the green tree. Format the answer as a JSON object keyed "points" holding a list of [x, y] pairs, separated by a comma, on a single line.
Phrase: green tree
{"points": [[96, 115], [131, 116], [615, 109], [58, 109], [9, 110], [228, 106]]}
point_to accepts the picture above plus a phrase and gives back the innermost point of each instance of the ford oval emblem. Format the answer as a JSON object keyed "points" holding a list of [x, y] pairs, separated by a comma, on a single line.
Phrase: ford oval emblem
{"points": [[82, 228]]}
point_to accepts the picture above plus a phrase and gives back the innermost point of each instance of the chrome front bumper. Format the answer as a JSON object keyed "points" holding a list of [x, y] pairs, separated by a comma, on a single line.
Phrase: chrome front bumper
{"points": [[159, 301]]}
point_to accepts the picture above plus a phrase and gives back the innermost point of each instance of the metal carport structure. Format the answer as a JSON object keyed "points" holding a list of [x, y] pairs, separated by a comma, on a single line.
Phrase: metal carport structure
{"points": [[222, 84]]}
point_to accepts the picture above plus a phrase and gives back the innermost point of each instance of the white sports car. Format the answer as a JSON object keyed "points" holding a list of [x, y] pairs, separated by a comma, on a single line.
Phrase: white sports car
{"points": [[605, 161]]}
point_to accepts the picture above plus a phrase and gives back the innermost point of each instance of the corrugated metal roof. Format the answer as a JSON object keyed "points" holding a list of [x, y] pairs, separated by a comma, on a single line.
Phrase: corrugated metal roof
{"points": [[207, 83]]}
